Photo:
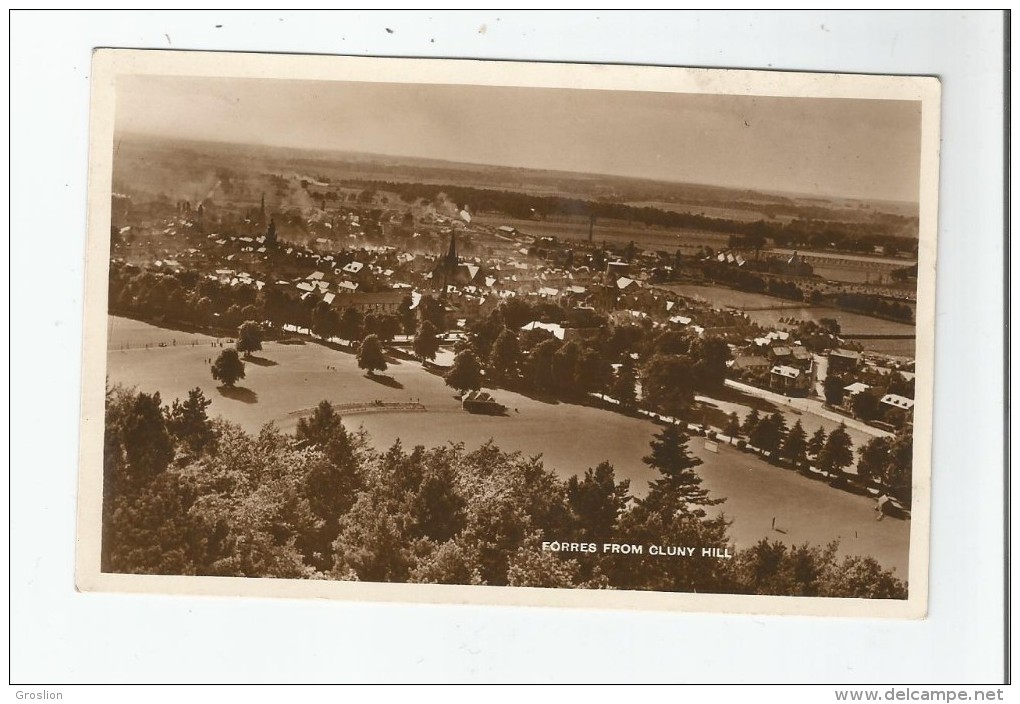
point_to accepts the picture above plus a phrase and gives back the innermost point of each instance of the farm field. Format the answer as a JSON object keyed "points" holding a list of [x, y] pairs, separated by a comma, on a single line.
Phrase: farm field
{"points": [[850, 275], [619, 233], [286, 381], [894, 262], [748, 214]]}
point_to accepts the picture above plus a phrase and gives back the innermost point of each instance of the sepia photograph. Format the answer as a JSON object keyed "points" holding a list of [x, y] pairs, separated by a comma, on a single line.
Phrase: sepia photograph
{"points": [[496, 332]]}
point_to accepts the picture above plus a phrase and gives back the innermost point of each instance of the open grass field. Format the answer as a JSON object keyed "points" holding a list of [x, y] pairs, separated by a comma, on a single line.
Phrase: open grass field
{"points": [[749, 214], [287, 380]]}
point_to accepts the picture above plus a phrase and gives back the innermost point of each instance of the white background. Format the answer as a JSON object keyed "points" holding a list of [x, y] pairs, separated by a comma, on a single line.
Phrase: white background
{"points": [[60, 636]]}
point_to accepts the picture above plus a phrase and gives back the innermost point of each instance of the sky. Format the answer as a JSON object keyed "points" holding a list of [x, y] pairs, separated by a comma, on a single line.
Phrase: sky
{"points": [[848, 148]]}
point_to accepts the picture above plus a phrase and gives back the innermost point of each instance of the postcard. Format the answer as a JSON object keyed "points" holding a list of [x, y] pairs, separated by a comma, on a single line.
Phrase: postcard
{"points": [[517, 333]]}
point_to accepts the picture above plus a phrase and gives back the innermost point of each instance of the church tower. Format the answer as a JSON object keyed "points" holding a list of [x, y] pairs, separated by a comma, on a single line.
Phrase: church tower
{"points": [[446, 268], [451, 255]]}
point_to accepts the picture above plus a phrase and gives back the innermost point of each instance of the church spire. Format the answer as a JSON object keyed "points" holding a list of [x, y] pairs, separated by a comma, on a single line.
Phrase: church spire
{"points": [[451, 256]]}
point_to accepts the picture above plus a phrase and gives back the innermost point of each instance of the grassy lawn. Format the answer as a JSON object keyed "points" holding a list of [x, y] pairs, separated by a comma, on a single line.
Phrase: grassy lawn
{"points": [[285, 381]]}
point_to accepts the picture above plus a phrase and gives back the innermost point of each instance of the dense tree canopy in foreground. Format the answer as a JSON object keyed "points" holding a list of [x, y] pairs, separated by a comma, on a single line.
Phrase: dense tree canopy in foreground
{"points": [[189, 495]]}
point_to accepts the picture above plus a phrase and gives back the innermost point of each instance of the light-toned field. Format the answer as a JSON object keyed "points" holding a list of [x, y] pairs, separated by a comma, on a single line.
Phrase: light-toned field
{"points": [[836, 257], [609, 231], [291, 379], [749, 214]]}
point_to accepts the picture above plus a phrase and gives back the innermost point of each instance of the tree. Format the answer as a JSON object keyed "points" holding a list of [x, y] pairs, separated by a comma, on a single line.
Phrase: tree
{"points": [[228, 368], [806, 570], [594, 373], [451, 563], [531, 567], [318, 427], [667, 384], [623, 388], [406, 314], [898, 475], [833, 389], [672, 342], [732, 428], [596, 502], [865, 405], [861, 578], [679, 488], [466, 372], [147, 445], [232, 316], [426, 344], [436, 504], [189, 422], [333, 482], [202, 310], [816, 443], [350, 324], [767, 435], [370, 325], [325, 322], [838, 451], [795, 445], [432, 310], [249, 338], [250, 312], [516, 313], [873, 459], [389, 327], [152, 531], [710, 355], [506, 358], [564, 366], [540, 364], [750, 421], [370, 355]]}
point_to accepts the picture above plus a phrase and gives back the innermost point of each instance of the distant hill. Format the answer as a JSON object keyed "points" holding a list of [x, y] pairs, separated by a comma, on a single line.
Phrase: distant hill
{"points": [[149, 165]]}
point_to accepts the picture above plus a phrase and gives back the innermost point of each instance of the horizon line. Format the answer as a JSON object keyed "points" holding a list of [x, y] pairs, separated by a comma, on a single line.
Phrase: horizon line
{"points": [[120, 134]]}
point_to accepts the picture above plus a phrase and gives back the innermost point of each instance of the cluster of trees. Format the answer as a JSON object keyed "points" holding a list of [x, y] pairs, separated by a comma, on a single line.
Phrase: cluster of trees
{"points": [[352, 325], [187, 297], [672, 365], [887, 463], [770, 436], [892, 232], [816, 336], [907, 273], [679, 364], [181, 296], [883, 463], [745, 280], [228, 366], [875, 305], [187, 495]]}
